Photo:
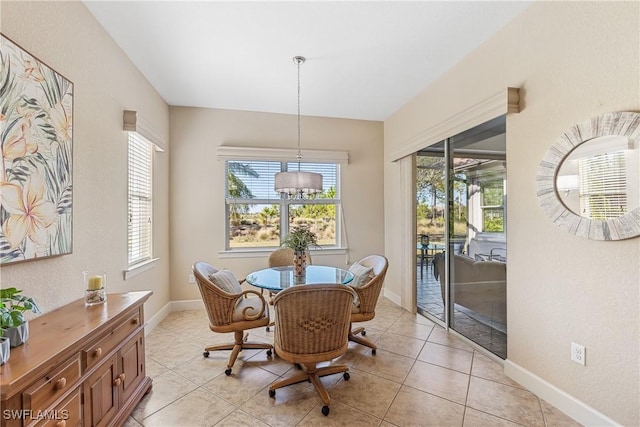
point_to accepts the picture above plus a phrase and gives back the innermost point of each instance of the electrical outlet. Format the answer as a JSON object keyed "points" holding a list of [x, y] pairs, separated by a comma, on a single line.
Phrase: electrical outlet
{"points": [[578, 353], [192, 278]]}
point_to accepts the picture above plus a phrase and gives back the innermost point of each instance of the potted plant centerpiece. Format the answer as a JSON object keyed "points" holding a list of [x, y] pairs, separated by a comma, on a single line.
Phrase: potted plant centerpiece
{"points": [[300, 239], [12, 321]]}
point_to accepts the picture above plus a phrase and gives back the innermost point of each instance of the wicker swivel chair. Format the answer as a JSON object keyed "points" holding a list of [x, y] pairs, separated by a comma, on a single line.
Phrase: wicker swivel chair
{"points": [[231, 312], [368, 297], [313, 326]]}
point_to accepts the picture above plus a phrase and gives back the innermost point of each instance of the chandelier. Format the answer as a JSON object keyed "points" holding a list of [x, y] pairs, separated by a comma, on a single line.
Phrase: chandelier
{"points": [[298, 184]]}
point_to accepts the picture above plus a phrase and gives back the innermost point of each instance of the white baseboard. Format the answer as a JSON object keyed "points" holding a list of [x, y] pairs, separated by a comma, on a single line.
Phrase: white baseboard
{"points": [[568, 404], [157, 318], [395, 298], [168, 308]]}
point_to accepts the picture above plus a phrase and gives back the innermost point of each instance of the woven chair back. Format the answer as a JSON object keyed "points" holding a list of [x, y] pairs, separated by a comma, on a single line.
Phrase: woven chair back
{"points": [[370, 292], [283, 257], [312, 322], [219, 304]]}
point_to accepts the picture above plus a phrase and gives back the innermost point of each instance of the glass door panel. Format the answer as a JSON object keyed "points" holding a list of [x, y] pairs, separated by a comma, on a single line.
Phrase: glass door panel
{"points": [[477, 237], [430, 223]]}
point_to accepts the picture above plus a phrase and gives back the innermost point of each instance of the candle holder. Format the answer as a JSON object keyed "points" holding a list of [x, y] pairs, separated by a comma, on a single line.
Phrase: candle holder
{"points": [[94, 285]]}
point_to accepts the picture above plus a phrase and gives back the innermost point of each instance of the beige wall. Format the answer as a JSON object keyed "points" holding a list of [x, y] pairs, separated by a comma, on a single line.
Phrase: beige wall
{"points": [[65, 36], [197, 183], [573, 61]]}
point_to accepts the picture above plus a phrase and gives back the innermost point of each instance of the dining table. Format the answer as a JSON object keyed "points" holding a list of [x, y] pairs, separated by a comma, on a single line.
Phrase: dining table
{"points": [[276, 279]]}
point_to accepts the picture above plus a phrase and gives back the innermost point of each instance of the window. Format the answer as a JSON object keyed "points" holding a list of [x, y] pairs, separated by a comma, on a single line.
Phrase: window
{"points": [[603, 185], [493, 206], [140, 172], [257, 216]]}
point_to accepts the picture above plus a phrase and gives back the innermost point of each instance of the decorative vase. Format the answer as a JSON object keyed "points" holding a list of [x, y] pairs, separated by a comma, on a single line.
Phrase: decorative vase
{"points": [[17, 335], [94, 285], [5, 350], [299, 263]]}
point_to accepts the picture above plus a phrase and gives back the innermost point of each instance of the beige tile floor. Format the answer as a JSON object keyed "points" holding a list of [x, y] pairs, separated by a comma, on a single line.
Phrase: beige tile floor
{"points": [[420, 376]]}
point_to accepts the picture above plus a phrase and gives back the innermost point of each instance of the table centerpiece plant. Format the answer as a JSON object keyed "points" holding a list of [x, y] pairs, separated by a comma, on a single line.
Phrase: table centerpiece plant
{"points": [[300, 239], [13, 324]]}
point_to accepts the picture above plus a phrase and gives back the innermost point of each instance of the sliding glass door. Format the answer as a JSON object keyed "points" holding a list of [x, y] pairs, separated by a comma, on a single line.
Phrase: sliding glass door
{"points": [[462, 181]]}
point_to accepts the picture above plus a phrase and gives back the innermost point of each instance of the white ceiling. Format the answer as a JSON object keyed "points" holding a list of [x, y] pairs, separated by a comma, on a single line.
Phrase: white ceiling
{"points": [[365, 59]]}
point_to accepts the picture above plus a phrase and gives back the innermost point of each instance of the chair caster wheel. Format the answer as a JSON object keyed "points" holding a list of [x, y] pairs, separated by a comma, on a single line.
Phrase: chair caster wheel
{"points": [[269, 353], [363, 333], [227, 371], [205, 354], [272, 393], [373, 351], [346, 376], [325, 410]]}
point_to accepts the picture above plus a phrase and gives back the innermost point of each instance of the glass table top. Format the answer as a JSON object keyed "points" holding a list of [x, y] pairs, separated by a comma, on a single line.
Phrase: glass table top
{"points": [[279, 278]]}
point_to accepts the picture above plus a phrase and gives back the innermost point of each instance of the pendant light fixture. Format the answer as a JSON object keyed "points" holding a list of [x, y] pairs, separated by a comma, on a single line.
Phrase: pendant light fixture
{"points": [[298, 184]]}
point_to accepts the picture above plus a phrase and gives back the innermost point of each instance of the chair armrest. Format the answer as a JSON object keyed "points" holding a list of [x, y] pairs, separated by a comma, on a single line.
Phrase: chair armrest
{"points": [[263, 305]]}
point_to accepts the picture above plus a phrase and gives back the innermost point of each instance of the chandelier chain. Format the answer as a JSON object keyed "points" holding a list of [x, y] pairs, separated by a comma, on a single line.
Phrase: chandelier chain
{"points": [[299, 60]]}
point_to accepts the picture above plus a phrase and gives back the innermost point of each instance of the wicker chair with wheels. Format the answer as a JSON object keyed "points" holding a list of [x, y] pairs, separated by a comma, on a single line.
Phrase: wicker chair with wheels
{"points": [[312, 327], [231, 310], [367, 296]]}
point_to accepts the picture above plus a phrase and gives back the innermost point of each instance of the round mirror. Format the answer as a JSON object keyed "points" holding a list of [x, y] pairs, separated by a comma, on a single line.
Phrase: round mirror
{"points": [[589, 181]]}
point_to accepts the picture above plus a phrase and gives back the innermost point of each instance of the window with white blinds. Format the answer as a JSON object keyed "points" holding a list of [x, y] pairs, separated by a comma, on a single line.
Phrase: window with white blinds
{"points": [[140, 174], [257, 216], [603, 185]]}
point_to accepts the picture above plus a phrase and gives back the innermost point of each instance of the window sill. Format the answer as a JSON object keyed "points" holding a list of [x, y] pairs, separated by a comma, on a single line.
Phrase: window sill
{"points": [[140, 268], [264, 252]]}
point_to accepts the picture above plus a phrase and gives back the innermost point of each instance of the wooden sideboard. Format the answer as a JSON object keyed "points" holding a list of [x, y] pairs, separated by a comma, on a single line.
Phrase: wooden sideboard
{"points": [[82, 366]]}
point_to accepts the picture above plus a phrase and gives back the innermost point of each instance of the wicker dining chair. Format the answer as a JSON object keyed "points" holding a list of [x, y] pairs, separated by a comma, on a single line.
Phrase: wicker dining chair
{"points": [[368, 295], [312, 327], [231, 312]]}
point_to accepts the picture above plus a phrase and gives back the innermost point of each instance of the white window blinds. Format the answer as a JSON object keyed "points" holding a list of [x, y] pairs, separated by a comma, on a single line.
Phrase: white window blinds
{"points": [[603, 186], [140, 199]]}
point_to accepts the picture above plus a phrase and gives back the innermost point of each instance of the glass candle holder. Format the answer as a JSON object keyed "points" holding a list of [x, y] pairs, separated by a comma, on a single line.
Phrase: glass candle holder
{"points": [[94, 284]]}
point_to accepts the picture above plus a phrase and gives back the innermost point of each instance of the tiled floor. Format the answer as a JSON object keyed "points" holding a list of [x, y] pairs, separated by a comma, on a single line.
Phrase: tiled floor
{"points": [[420, 376], [483, 331]]}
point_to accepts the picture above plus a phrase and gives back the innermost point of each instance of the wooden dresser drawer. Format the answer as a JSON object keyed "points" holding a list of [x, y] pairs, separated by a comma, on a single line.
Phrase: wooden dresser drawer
{"points": [[40, 395], [130, 324], [93, 355], [67, 413]]}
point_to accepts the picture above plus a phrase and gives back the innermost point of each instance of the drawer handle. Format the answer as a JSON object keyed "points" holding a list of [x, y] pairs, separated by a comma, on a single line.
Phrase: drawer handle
{"points": [[60, 384], [122, 376], [135, 321], [61, 423], [97, 352]]}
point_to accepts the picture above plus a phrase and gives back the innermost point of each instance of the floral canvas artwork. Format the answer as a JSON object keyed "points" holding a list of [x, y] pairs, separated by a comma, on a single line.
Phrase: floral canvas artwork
{"points": [[36, 107]]}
